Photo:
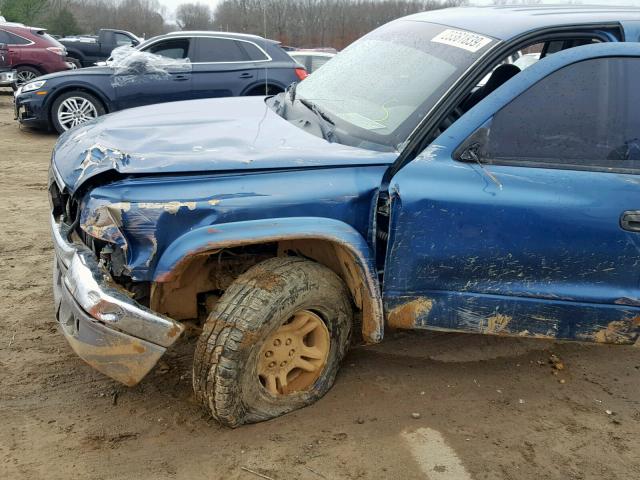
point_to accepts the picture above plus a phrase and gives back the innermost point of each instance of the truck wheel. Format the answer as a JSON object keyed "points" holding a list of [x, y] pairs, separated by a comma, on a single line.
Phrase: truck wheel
{"points": [[25, 74], [274, 342], [74, 108], [75, 61], [262, 90]]}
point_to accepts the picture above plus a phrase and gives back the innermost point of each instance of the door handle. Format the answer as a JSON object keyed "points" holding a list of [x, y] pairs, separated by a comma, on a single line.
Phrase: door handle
{"points": [[180, 78], [630, 220], [246, 75]]}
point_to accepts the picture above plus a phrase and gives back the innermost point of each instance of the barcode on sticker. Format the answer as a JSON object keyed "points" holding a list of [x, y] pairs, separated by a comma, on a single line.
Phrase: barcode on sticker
{"points": [[471, 42]]}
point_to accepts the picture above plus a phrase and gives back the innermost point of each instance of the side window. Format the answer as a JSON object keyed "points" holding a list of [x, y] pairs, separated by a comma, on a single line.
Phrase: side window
{"points": [[176, 48], [219, 50], [122, 39], [17, 39], [582, 116], [4, 37], [253, 52]]}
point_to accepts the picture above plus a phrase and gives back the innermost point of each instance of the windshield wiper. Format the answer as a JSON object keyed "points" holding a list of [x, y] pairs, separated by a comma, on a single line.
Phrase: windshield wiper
{"points": [[327, 133]]}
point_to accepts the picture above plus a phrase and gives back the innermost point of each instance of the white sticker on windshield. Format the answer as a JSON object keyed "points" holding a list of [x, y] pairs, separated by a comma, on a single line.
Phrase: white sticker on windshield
{"points": [[461, 39]]}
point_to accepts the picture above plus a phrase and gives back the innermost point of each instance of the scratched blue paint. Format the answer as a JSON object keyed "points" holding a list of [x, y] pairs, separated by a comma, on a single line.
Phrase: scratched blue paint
{"points": [[196, 175], [339, 198]]}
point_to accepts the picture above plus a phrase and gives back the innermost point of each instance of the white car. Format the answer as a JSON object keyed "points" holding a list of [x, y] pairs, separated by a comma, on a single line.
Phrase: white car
{"points": [[311, 60]]}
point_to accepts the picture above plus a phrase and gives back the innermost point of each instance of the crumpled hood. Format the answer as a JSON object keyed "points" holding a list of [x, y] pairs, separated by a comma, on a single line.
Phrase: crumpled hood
{"points": [[213, 135]]}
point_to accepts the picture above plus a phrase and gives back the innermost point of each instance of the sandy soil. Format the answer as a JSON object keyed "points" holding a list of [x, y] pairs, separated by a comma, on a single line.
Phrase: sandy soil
{"points": [[489, 407]]}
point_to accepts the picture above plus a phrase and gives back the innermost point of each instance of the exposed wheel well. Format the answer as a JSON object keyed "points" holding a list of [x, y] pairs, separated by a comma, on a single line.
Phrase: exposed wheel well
{"points": [[35, 67], [259, 90], [192, 290]]}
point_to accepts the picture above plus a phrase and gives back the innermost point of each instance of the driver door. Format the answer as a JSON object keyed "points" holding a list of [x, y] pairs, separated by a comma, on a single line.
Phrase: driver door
{"points": [[523, 218]]}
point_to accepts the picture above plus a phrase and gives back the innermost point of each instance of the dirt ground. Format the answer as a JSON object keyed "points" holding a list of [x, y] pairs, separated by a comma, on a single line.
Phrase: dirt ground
{"points": [[486, 407]]}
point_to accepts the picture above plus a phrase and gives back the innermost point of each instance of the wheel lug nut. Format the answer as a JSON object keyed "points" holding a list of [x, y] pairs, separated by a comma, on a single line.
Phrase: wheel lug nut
{"points": [[277, 342], [272, 364], [268, 354], [291, 352], [288, 342], [283, 363]]}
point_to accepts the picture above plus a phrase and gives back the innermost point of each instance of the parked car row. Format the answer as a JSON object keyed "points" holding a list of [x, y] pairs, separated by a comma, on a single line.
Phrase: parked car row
{"points": [[220, 65]]}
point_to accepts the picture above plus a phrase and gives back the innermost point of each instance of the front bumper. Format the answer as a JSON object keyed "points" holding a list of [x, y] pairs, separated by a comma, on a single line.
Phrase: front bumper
{"points": [[29, 109], [8, 78], [104, 326]]}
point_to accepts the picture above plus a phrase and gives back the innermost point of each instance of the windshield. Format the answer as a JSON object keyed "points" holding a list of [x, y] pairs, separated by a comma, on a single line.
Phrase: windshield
{"points": [[379, 88]]}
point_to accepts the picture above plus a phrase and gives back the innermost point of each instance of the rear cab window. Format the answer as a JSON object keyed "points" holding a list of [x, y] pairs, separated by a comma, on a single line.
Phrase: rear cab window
{"points": [[121, 39]]}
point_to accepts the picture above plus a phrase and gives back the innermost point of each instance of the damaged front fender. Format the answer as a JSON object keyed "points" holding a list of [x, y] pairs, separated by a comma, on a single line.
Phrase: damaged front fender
{"points": [[207, 239]]}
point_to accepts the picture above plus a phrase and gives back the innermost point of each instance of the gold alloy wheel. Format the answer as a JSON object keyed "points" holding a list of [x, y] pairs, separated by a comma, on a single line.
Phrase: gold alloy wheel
{"points": [[293, 357]]}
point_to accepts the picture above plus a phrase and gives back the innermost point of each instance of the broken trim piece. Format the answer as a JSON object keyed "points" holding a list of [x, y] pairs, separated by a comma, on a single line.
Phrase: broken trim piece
{"points": [[98, 295]]}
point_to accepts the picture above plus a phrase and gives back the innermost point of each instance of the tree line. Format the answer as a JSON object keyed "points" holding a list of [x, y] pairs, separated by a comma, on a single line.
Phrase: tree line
{"points": [[316, 23], [72, 17], [301, 23]]}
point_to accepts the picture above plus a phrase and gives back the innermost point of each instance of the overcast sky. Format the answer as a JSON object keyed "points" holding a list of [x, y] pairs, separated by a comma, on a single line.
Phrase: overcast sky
{"points": [[172, 4]]}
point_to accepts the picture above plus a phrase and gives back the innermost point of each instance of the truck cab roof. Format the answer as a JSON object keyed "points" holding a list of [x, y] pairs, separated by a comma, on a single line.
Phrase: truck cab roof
{"points": [[506, 22]]}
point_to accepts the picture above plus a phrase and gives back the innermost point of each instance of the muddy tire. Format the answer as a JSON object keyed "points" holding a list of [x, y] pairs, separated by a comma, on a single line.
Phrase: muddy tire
{"points": [[249, 328]]}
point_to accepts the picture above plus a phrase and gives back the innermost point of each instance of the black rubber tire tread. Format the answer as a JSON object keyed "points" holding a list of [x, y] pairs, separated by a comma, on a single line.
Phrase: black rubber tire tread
{"points": [[253, 306], [75, 61], [73, 93], [27, 68], [259, 91]]}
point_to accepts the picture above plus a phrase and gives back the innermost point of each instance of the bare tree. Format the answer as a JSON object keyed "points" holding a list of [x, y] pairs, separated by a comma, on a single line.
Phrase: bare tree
{"points": [[316, 23], [194, 16]]}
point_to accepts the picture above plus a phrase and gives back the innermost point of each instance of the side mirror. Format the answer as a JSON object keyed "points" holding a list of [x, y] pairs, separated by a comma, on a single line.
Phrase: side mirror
{"points": [[135, 43], [473, 149], [3, 46]]}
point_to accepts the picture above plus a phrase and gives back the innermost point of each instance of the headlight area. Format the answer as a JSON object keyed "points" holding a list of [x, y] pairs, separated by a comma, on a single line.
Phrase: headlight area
{"points": [[99, 229], [33, 86]]}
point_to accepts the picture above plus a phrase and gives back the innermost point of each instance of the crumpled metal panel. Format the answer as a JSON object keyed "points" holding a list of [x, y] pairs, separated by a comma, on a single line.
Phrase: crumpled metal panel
{"points": [[239, 134]]}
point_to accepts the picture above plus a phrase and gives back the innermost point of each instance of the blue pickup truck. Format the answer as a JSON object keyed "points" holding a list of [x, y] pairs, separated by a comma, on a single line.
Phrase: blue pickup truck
{"points": [[420, 180]]}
